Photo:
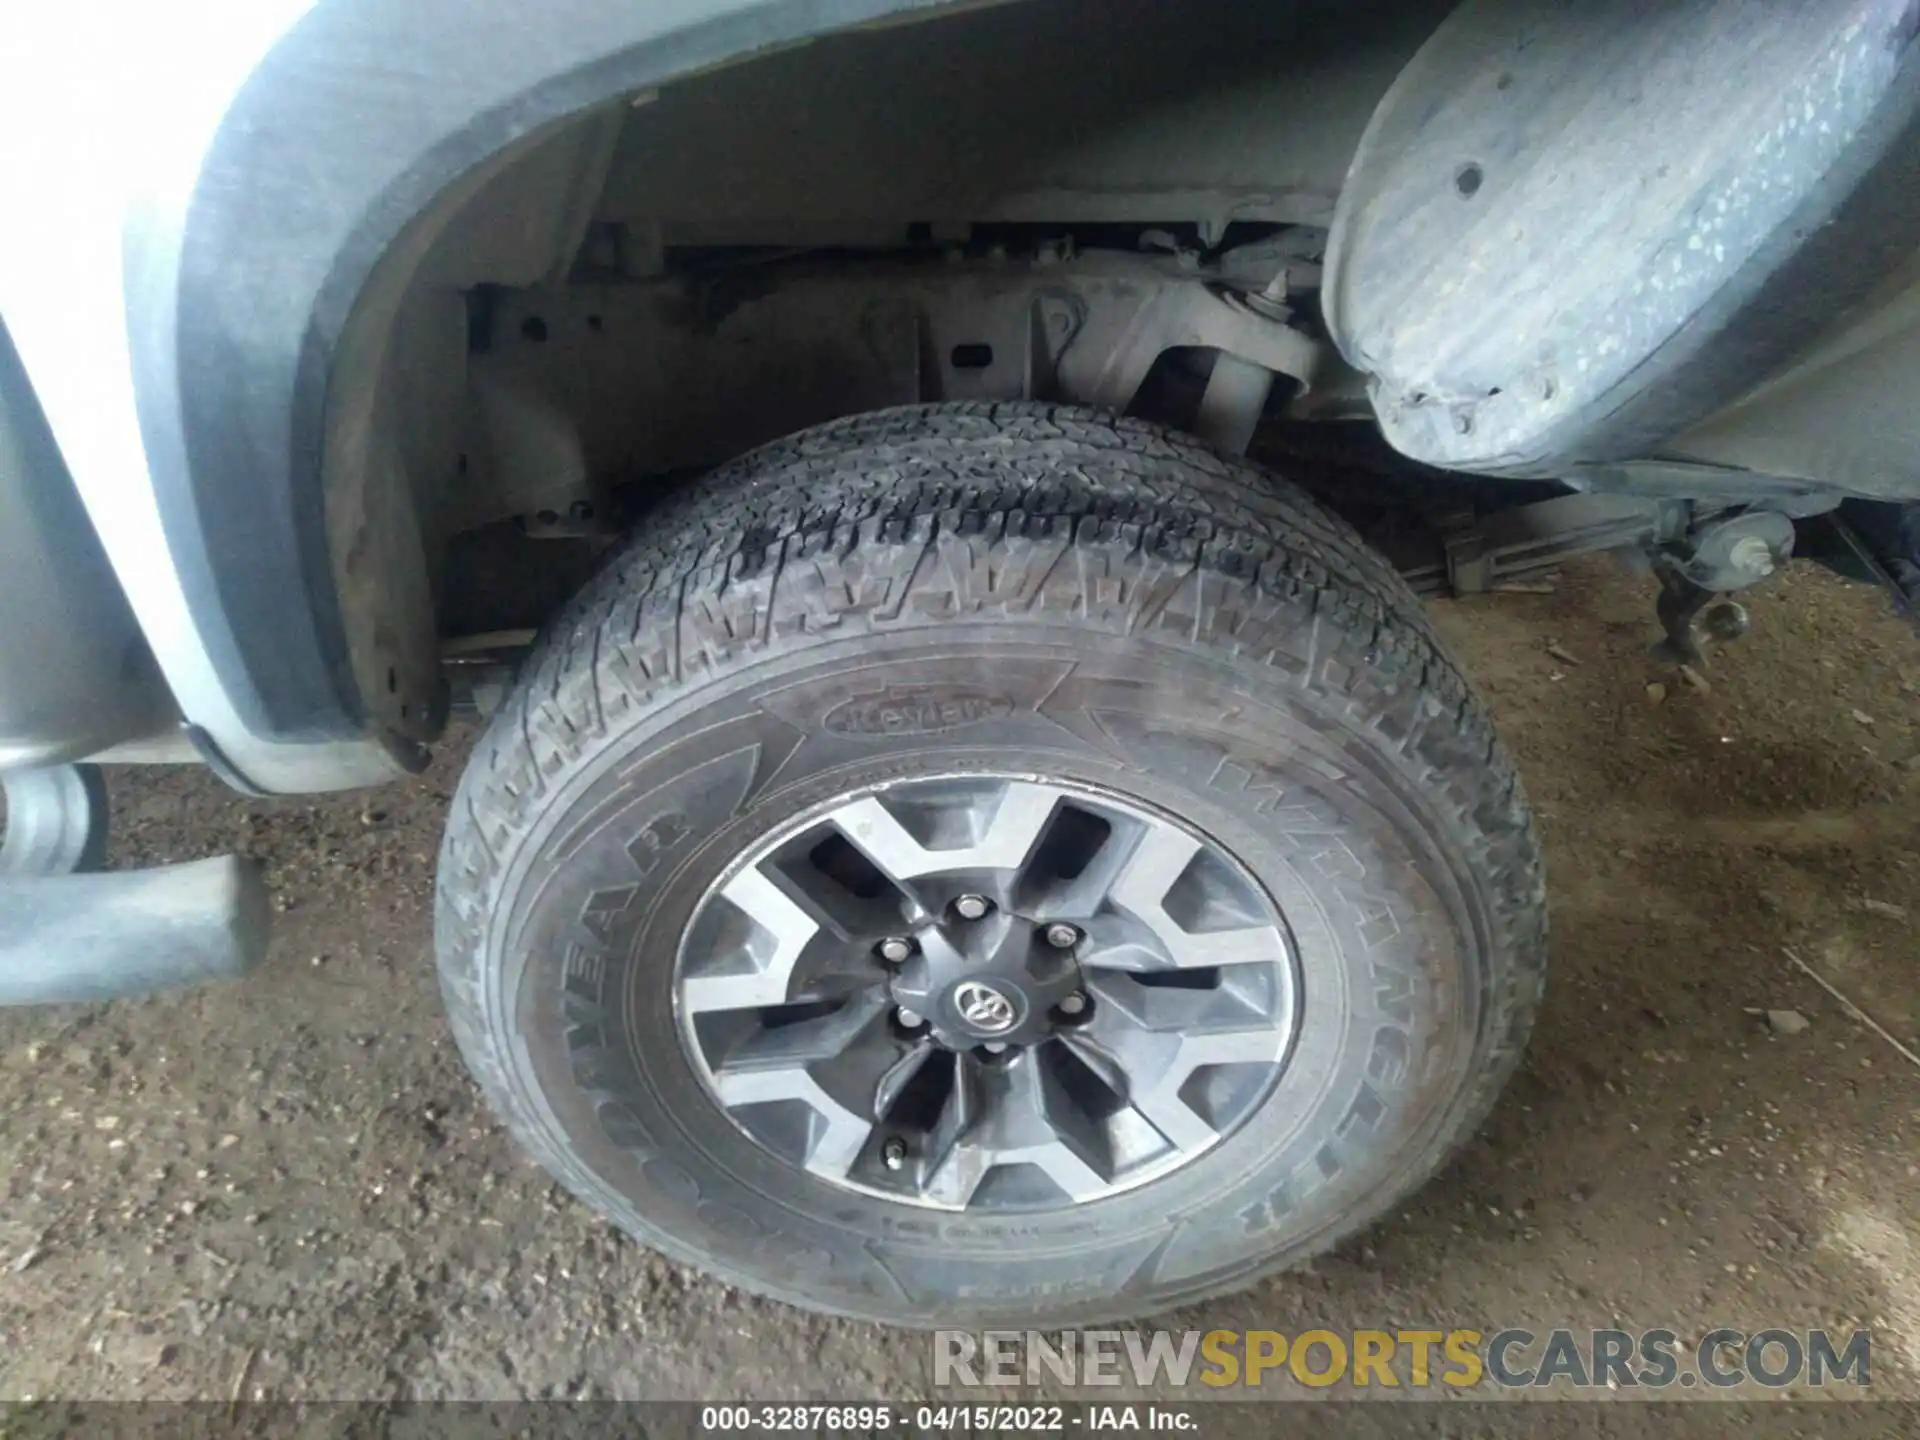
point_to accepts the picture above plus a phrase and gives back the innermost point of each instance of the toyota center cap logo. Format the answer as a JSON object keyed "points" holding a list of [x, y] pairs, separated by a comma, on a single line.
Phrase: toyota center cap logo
{"points": [[983, 1007]]}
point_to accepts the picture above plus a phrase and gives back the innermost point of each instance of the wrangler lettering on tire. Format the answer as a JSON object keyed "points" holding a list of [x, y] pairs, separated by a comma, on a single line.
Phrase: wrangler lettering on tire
{"points": [[991, 865]]}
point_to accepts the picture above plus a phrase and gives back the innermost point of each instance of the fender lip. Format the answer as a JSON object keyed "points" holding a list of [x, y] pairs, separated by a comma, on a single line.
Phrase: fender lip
{"points": [[356, 119]]}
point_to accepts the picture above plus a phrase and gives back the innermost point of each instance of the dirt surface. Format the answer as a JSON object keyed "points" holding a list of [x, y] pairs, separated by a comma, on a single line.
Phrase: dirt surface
{"points": [[287, 1187]]}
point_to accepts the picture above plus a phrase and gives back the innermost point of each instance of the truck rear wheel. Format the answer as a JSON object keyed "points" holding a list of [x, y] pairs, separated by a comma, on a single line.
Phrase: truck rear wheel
{"points": [[991, 864]]}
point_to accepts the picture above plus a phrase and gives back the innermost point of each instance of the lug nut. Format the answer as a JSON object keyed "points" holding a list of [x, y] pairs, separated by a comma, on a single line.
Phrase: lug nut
{"points": [[909, 1019], [895, 949], [972, 907], [893, 1154], [995, 1047], [1074, 1004], [1062, 936]]}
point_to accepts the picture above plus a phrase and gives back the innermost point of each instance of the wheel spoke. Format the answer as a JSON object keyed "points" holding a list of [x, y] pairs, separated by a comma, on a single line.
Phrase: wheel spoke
{"points": [[838, 1138], [839, 888], [1140, 893], [1249, 945], [1156, 1062], [787, 1063], [955, 1165], [1011, 829], [1153, 942], [805, 1042], [761, 970], [1159, 858], [1024, 1117], [1048, 1128], [1077, 897], [903, 1072]]}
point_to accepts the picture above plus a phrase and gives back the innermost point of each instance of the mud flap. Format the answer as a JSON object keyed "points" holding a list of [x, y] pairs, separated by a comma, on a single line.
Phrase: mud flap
{"points": [[1572, 231]]}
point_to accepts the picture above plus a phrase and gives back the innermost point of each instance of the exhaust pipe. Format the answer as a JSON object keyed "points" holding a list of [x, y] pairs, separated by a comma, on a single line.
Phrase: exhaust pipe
{"points": [[67, 938]]}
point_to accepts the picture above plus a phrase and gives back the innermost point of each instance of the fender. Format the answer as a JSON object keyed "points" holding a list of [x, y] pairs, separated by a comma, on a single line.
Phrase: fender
{"points": [[287, 147]]}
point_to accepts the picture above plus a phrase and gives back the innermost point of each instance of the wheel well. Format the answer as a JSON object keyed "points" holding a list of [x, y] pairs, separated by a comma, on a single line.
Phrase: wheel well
{"points": [[833, 173]]}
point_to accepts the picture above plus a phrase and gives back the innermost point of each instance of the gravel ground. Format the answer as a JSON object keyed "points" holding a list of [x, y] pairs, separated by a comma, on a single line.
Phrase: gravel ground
{"points": [[287, 1188]]}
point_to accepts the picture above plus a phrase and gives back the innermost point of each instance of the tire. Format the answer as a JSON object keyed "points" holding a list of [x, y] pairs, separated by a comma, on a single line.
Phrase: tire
{"points": [[1074, 595]]}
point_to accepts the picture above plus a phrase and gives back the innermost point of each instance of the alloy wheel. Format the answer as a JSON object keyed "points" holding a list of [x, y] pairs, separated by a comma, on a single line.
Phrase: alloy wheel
{"points": [[987, 992]]}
